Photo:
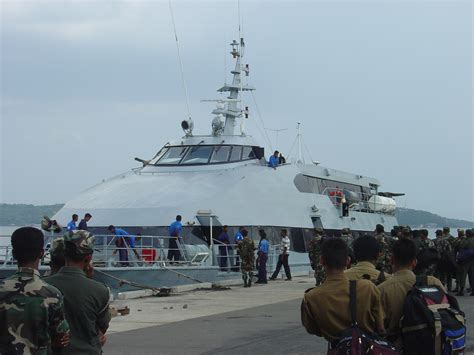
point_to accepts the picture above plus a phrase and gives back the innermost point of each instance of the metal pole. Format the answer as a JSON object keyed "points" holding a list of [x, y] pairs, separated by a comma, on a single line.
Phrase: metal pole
{"points": [[212, 241]]}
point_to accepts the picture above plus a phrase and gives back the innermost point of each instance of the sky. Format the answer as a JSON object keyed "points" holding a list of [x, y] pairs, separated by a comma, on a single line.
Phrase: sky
{"points": [[381, 88]]}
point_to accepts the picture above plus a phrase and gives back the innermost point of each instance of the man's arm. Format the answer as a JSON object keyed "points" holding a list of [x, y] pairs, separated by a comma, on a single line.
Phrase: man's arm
{"points": [[378, 311], [59, 327], [308, 320], [104, 316]]}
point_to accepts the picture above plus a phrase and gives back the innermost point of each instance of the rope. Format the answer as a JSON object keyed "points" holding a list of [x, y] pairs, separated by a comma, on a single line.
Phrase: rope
{"points": [[143, 286], [265, 135], [180, 61]]}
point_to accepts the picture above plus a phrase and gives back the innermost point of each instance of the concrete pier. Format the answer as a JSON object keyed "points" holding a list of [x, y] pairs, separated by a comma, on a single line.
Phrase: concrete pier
{"points": [[263, 319]]}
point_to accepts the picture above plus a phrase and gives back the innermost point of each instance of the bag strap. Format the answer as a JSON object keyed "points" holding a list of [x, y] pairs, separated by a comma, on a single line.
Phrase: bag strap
{"points": [[353, 301], [421, 280]]}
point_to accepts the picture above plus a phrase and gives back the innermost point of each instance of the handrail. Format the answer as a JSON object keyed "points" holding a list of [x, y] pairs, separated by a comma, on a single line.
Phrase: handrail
{"points": [[358, 201]]}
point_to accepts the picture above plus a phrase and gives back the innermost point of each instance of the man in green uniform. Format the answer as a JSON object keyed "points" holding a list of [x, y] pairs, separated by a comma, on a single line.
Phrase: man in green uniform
{"points": [[384, 260], [325, 309], [466, 266], [247, 256], [366, 252], [395, 289], [346, 236], [314, 254], [446, 266], [86, 300], [31, 311], [457, 245]]}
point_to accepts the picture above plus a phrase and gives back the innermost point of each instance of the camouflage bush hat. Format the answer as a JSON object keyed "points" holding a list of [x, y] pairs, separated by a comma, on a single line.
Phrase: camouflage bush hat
{"points": [[57, 248], [79, 242]]}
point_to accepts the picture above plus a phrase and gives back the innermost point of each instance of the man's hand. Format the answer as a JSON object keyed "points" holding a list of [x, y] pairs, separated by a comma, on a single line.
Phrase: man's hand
{"points": [[102, 338], [62, 340]]}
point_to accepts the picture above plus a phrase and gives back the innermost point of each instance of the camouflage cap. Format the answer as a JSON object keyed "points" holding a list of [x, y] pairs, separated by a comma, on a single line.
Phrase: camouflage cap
{"points": [[346, 231], [319, 231], [79, 242], [461, 232], [57, 248]]}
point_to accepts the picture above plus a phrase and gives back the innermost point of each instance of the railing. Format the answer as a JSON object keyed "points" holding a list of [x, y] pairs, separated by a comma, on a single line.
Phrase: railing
{"points": [[359, 201], [122, 251], [227, 258]]}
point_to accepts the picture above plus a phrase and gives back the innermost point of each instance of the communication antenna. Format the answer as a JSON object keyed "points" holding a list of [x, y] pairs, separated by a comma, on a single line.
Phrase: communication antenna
{"points": [[180, 62]]}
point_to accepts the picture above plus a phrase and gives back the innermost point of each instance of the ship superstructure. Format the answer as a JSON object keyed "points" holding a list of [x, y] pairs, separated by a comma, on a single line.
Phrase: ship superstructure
{"points": [[223, 179]]}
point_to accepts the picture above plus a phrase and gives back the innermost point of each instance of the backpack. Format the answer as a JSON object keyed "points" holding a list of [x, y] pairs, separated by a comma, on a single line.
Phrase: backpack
{"points": [[465, 255], [432, 322], [354, 341]]}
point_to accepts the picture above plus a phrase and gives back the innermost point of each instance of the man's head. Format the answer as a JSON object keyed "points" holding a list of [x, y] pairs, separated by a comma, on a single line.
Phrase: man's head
{"points": [[446, 230], [111, 229], [276, 153], [178, 218], [404, 254], [406, 233], [79, 246], [461, 233], [379, 229], [225, 228], [439, 233], [284, 232], [244, 233], [366, 248], [319, 231], [57, 255], [28, 245], [424, 234], [469, 233], [262, 234], [75, 217], [346, 231], [334, 254], [87, 217]]}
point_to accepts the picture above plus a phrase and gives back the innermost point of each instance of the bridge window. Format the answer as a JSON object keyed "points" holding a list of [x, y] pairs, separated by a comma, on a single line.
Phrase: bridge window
{"points": [[197, 155], [248, 153], [220, 154], [173, 156], [236, 153]]}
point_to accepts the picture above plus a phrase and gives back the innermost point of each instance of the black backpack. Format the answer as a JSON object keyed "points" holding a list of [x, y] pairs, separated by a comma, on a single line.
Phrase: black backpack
{"points": [[354, 341], [432, 322]]}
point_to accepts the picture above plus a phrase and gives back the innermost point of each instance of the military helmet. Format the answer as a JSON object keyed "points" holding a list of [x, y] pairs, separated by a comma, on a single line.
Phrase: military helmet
{"points": [[79, 242], [461, 232], [57, 248]]}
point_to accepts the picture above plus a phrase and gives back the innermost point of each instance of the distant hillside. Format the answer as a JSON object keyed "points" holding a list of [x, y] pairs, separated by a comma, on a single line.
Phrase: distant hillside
{"points": [[416, 218], [17, 215]]}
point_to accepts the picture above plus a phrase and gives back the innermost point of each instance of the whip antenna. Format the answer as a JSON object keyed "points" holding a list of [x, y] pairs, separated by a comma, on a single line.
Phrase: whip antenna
{"points": [[180, 61]]}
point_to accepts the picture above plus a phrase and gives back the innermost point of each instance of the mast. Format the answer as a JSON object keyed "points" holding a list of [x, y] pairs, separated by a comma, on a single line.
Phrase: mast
{"points": [[233, 111]]}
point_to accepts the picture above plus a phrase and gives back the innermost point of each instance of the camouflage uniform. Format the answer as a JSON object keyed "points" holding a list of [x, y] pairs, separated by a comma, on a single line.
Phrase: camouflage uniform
{"points": [[314, 253], [31, 314], [384, 262], [347, 237], [247, 255], [86, 300], [444, 271], [422, 246]]}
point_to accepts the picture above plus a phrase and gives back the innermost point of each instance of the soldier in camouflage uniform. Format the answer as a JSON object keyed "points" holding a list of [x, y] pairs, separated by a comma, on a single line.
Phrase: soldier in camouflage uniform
{"points": [[457, 245], [86, 300], [427, 254], [247, 256], [347, 237], [31, 311], [447, 265], [384, 262], [57, 255], [314, 253]]}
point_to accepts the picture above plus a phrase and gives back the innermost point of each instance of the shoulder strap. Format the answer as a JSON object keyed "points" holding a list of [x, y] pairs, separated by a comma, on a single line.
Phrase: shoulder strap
{"points": [[353, 301], [421, 280]]}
